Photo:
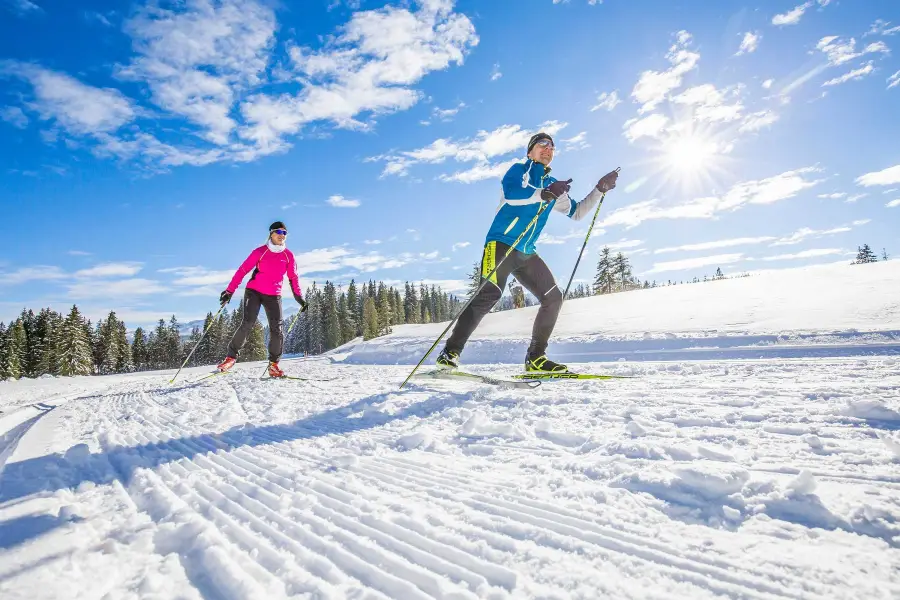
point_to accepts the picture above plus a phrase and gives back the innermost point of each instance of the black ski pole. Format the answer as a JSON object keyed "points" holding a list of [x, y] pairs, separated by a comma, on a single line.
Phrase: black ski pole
{"points": [[584, 245], [197, 345], [484, 281]]}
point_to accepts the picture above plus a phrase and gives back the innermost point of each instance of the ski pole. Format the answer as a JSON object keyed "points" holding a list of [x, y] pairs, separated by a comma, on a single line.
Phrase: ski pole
{"points": [[584, 245], [197, 345], [484, 281]]}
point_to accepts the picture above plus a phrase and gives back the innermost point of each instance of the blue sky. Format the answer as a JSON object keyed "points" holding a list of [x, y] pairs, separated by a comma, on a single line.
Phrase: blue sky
{"points": [[147, 146]]}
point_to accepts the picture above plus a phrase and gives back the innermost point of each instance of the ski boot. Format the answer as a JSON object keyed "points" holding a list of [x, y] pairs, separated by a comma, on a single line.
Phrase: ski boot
{"points": [[226, 364], [275, 370], [448, 359], [542, 364]]}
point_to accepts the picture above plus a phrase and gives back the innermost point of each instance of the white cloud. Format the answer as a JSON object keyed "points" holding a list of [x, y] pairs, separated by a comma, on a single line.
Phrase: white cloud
{"points": [[372, 242], [855, 197], [758, 120], [793, 16], [767, 84], [833, 196], [78, 253], [746, 241], [882, 27], [459, 245], [652, 126], [709, 104], [889, 176], [23, 7], [78, 108], [495, 72], [340, 202], [578, 142], [14, 116], [448, 113], [123, 269], [764, 191], [749, 43], [653, 86], [839, 51], [624, 244], [805, 233], [480, 172], [694, 263], [481, 148], [120, 288], [35, 273], [607, 101], [806, 254], [893, 203], [198, 276], [893, 80], [852, 75], [288, 206]]}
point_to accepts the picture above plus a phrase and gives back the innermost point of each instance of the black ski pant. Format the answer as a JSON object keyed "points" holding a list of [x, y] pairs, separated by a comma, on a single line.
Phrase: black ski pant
{"points": [[534, 274], [252, 301]]}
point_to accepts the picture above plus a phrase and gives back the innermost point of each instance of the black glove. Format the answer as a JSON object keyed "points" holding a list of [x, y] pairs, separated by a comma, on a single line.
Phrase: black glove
{"points": [[301, 302], [608, 181], [555, 190], [225, 297]]}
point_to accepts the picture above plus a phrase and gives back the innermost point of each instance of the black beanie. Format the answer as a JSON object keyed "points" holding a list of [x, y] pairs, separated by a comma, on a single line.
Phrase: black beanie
{"points": [[536, 138], [276, 225]]}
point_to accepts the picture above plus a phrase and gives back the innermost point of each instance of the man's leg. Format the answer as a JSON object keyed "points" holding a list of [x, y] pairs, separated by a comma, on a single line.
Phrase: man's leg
{"points": [[251, 312], [535, 275], [272, 304], [486, 298]]}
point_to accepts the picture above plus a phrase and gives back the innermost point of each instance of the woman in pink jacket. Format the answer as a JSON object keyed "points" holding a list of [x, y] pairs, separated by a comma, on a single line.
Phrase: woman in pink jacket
{"points": [[270, 263]]}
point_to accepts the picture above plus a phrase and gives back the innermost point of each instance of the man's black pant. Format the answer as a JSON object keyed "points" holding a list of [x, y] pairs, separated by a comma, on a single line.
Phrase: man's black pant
{"points": [[252, 301], [533, 273]]}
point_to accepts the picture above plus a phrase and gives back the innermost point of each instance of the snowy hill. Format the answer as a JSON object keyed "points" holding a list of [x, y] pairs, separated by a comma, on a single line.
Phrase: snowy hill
{"points": [[698, 477], [835, 310]]}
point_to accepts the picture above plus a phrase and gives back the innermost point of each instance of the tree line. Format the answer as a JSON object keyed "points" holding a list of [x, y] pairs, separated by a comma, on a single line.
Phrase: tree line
{"points": [[48, 343]]}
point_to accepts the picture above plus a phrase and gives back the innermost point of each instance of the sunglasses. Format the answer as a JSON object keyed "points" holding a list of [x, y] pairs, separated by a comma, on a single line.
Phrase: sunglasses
{"points": [[280, 231], [545, 144]]}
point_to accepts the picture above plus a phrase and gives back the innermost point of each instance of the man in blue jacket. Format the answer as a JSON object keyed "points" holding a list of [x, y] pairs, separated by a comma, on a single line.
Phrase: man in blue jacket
{"points": [[526, 187]]}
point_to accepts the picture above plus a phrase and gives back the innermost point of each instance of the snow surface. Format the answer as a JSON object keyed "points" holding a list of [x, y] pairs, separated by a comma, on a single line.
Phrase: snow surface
{"points": [[701, 477]]}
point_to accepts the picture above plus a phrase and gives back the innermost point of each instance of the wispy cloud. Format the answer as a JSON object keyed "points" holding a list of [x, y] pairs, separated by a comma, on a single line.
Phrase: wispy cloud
{"points": [[495, 72], [119, 288], [806, 233], [33, 273], [288, 206], [198, 276], [889, 176], [694, 263], [840, 51], [578, 142], [764, 191], [607, 101], [459, 245], [833, 196], [653, 86], [855, 198], [447, 114], [893, 80], [749, 43], [122, 269], [340, 202], [758, 120], [22, 8], [14, 116], [78, 253], [855, 74], [767, 84], [727, 243], [793, 16], [882, 27], [805, 254], [893, 203], [372, 242]]}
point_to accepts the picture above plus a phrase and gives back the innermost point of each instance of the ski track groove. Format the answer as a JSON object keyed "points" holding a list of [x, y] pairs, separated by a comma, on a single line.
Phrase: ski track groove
{"points": [[231, 467], [655, 553], [256, 514]]}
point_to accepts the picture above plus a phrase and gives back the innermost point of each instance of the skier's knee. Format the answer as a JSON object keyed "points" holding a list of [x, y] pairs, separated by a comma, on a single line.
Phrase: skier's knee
{"points": [[552, 298]]}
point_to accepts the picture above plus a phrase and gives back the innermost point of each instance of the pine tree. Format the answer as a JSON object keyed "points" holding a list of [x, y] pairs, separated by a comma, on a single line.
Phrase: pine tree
{"points": [[884, 254], [719, 274], [190, 344], [255, 348], [107, 357], [331, 322], [29, 353], [75, 348], [4, 352], [370, 319], [353, 308], [125, 364], [411, 304], [383, 307], [98, 350], [622, 270], [474, 278], [139, 350], [15, 350], [865, 255], [603, 282], [174, 348]]}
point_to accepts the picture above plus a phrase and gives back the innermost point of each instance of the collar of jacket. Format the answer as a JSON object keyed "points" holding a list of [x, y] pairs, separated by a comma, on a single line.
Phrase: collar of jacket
{"points": [[536, 169]]}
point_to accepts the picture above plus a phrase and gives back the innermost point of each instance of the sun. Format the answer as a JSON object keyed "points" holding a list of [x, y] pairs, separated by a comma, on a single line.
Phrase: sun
{"points": [[690, 157], [689, 154]]}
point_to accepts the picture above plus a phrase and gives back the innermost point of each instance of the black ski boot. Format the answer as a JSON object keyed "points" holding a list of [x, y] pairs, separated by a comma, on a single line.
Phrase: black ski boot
{"points": [[448, 359], [542, 364]]}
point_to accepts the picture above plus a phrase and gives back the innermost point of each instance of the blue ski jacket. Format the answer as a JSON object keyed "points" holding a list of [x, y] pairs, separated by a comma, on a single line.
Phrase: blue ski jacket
{"points": [[520, 199]]}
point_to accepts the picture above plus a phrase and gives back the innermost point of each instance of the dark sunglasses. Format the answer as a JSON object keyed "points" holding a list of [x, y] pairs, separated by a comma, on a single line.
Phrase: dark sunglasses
{"points": [[280, 231]]}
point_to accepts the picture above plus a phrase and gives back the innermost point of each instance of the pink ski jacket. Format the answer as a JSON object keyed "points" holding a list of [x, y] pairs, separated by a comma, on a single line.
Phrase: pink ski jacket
{"points": [[269, 269]]}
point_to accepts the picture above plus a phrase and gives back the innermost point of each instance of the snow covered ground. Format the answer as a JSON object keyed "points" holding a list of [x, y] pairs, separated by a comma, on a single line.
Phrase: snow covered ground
{"points": [[701, 477]]}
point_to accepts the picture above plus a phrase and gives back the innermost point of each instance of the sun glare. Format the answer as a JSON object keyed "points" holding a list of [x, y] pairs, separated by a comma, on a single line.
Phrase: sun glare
{"points": [[689, 154]]}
